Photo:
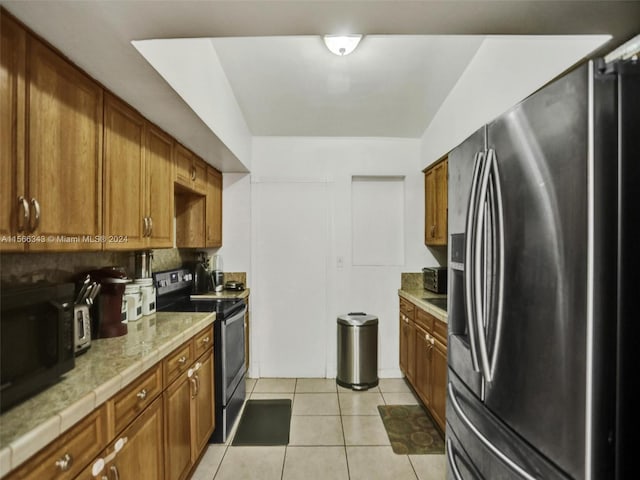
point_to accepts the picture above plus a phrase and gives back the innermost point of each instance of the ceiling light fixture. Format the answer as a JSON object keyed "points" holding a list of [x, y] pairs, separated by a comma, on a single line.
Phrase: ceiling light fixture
{"points": [[342, 45]]}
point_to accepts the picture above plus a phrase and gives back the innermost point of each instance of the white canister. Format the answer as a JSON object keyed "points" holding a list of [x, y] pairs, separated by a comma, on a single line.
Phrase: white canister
{"points": [[148, 295], [124, 310], [134, 301]]}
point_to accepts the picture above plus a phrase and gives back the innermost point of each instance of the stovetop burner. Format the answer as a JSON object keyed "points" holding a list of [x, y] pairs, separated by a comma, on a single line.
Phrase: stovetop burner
{"points": [[173, 294]]}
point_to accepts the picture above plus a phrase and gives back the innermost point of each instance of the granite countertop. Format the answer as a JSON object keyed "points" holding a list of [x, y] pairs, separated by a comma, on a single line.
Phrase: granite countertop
{"points": [[417, 296], [106, 368]]}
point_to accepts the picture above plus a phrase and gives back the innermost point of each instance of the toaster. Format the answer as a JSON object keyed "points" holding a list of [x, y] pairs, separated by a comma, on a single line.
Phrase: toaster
{"points": [[435, 279], [81, 329]]}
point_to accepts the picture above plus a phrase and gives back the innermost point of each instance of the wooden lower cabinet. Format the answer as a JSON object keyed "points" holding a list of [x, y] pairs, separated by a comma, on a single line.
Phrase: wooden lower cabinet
{"points": [[204, 415], [177, 405], [423, 358], [439, 383], [189, 417]]}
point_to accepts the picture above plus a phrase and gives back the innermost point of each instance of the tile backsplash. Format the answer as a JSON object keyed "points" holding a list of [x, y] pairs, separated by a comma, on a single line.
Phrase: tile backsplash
{"points": [[24, 268], [411, 281]]}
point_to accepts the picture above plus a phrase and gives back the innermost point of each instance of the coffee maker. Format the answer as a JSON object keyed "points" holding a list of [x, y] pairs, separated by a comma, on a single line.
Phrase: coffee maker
{"points": [[107, 315], [201, 278]]}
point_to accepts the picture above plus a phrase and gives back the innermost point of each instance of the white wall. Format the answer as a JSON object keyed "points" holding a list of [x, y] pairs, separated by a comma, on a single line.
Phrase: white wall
{"points": [[192, 68], [370, 289], [504, 71]]}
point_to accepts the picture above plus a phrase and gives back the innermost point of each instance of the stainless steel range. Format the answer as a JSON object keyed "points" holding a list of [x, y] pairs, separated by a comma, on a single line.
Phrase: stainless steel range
{"points": [[174, 289]]}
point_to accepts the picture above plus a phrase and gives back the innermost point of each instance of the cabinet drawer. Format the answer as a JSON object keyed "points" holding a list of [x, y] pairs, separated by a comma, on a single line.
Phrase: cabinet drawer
{"points": [[177, 362], [135, 398], [425, 319], [70, 453], [407, 308], [440, 331], [203, 341]]}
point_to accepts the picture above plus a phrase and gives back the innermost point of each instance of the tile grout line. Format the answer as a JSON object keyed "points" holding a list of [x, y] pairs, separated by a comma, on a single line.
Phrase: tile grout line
{"points": [[344, 436]]}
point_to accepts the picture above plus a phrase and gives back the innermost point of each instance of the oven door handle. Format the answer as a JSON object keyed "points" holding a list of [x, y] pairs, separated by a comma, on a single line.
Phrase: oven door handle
{"points": [[236, 316]]}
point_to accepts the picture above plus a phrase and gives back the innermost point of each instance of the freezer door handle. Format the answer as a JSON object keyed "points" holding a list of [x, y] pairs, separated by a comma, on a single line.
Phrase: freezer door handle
{"points": [[480, 303], [498, 231], [452, 461], [469, 299], [463, 417]]}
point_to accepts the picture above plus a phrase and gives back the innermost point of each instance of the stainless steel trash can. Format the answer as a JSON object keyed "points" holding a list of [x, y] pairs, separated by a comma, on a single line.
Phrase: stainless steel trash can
{"points": [[357, 351]]}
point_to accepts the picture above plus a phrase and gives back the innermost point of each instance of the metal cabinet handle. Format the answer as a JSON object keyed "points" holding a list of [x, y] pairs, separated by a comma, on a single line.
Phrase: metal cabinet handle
{"points": [[145, 227], [36, 214], [433, 230], [65, 462], [194, 385], [206, 340], [116, 474], [197, 384], [193, 173], [150, 226], [23, 204], [142, 394], [182, 360]]}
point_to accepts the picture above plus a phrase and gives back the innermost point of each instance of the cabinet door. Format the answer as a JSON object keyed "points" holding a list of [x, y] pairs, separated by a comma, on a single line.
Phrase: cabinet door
{"points": [[435, 185], [214, 208], [64, 143], [204, 406], [199, 175], [404, 339], [423, 378], [411, 352], [177, 408], [439, 383], [124, 181], [159, 198], [441, 203], [12, 124], [142, 457], [183, 165]]}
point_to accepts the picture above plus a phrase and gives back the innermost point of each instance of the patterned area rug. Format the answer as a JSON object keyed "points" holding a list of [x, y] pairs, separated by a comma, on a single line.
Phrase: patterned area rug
{"points": [[411, 430]]}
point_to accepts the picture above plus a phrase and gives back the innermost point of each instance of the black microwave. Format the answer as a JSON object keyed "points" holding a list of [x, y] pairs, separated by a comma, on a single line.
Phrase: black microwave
{"points": [[36, 335]]}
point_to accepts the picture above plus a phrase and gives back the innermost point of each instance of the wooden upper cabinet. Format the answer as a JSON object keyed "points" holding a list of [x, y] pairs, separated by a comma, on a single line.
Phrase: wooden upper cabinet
{"points": [[435, 225], [214, 208], [159, 177], [12, 130], [124, 177], [191, 171], [50, 146]]}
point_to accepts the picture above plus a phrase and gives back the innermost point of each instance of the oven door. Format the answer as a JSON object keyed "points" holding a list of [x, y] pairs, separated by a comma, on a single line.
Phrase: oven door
{"points": [[232, 353]]}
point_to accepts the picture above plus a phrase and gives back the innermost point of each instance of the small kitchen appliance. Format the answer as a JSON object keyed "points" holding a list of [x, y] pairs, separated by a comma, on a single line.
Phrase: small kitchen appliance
{"points": [[107, 321], [435, 279], [81, 328], [36, 339]]}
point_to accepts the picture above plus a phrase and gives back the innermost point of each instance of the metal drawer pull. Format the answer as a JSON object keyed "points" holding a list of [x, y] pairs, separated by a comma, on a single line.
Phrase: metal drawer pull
{"points": [[24, 205], [194, 390], [206, 340], [116, 474], [65, 462], [36, 214], [142, 394], [182, 360]]}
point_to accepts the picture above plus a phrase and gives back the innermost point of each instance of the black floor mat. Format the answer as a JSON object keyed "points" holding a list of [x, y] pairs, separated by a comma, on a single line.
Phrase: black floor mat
{"points": [[264, 422]]}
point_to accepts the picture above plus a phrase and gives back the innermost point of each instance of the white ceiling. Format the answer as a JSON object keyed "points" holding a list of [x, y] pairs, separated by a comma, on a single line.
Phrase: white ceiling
{"points": [[389, 86], [97, 35]]}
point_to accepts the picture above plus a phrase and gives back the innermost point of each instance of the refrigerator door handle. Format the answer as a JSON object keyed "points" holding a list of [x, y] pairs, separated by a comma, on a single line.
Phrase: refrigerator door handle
{"points": [[490, 446], [478, 270], [452, 461], [468, 260], [499, 220]]}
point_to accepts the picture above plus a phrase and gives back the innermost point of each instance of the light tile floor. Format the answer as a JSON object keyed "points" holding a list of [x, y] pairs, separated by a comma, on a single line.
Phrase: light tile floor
{"points": [[336, 434]]}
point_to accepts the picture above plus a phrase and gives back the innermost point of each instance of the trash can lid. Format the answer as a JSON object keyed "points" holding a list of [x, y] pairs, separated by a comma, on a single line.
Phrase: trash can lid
{"points": [[357, 319]]}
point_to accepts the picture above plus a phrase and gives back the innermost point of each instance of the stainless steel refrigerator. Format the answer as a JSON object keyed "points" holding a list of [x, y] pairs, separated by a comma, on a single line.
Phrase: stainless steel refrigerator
{"points": [[543, 226]]}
